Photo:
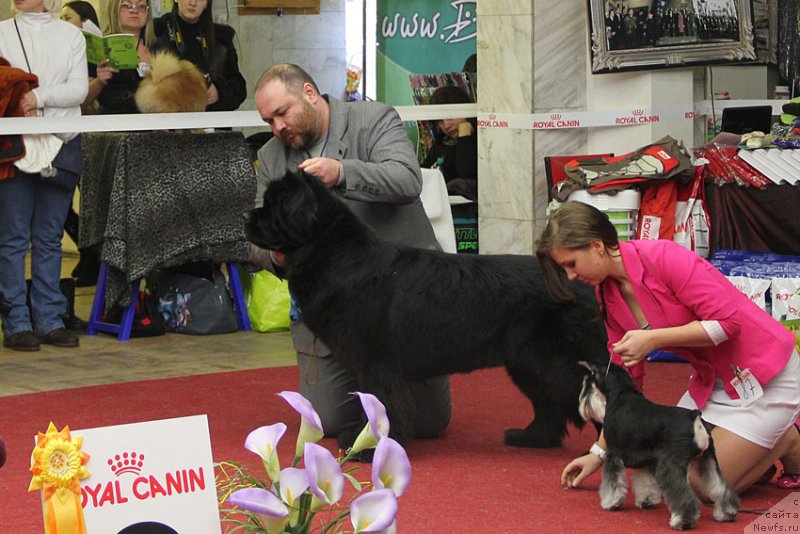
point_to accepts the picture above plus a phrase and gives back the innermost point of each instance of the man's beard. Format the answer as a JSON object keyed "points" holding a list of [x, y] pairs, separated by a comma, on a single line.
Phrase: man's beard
{"points": [[306, 132]]}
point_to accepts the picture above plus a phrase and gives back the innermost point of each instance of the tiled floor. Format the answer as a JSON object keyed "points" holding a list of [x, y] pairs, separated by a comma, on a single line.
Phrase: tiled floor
{"points": [[101, 359]]}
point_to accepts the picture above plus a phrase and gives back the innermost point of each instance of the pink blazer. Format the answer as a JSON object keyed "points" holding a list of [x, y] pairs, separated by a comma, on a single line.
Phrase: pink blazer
{"points": [[675, 286]]}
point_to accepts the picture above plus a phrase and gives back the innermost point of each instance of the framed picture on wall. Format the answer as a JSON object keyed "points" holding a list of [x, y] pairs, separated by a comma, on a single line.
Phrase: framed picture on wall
{"points": [[650, 34]]}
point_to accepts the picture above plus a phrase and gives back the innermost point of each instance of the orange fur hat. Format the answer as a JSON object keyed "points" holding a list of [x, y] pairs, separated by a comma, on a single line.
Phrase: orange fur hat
{"points": [[172, 85]]}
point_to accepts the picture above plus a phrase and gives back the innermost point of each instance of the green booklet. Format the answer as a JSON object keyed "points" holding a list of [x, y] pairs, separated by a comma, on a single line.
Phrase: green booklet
{"points": [[119, 49]]}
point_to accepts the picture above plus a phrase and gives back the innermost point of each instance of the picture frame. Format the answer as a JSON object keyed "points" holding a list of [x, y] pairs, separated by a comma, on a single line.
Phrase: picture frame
{"points": [[651, 34]]}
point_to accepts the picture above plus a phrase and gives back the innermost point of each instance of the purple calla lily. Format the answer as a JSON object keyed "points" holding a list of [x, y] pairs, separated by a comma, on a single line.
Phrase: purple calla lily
{"points": [[391, 468], [325, 478], [271, 511], [377, 425], [263, 441], [293, 483], [310, 422], [374, 511]]}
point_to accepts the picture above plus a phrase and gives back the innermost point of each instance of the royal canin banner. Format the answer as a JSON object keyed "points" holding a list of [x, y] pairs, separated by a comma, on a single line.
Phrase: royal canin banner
{"points": [[583, 119], [151, 472]]}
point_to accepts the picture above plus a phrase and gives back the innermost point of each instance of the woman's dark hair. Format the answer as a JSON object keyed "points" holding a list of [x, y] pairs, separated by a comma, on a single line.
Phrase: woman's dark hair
{"points": [[450, 94], [85, 11], [206, 22], [574, 225], [471, 64]]}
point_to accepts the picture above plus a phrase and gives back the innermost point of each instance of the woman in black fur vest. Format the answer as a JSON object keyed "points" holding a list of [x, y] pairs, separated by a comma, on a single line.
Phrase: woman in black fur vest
{"points": [[189, 31]]}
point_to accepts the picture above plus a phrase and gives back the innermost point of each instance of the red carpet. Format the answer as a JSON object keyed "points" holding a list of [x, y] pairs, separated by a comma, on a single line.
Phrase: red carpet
{"points": [[467, 481]]}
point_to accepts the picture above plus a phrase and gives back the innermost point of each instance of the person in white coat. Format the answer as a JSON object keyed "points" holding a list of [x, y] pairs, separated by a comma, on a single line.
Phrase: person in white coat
{"points": [[34, 202]]}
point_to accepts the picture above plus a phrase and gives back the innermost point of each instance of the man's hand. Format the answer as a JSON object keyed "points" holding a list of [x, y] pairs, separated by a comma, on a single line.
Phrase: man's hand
{"points": [[326, 170]]}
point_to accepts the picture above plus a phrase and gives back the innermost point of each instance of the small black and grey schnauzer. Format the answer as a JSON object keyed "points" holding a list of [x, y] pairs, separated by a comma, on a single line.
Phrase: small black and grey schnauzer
{"points": [[658, 443]]}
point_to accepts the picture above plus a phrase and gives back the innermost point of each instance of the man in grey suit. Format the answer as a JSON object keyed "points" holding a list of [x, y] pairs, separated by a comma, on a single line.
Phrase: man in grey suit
{"points": [[361, 151]]}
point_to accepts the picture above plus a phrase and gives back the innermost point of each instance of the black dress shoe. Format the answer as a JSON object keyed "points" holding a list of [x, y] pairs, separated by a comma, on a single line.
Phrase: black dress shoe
{"points": [[73, 323], [60, 337], [22, 341]]}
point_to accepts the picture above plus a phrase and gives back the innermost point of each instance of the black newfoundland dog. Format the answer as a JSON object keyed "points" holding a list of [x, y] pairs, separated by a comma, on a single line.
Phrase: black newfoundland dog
{"points": [[391, 313]]}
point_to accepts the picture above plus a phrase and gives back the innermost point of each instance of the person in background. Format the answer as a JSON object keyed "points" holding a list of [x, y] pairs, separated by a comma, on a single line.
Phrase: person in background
{"points": [[361, 152], [83, 15], [189, 31], [656, 294], [114, 88], [455, 146], [78, 12], [34, 204]]}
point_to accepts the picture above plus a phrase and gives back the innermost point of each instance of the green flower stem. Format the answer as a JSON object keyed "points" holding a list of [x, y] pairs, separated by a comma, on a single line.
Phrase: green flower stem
{"points": [[335, 522], [306, 515]]}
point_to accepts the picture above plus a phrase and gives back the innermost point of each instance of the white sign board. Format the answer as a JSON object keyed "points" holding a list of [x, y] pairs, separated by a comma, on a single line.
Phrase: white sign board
{"points": [[152, 472]]}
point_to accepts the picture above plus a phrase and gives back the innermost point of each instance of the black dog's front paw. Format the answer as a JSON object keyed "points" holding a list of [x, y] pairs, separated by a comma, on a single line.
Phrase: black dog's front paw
{"points": [[523, 437]]}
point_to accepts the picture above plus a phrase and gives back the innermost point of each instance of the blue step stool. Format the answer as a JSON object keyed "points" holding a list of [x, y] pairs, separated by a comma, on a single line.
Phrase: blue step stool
{"points": [[123, 329]]}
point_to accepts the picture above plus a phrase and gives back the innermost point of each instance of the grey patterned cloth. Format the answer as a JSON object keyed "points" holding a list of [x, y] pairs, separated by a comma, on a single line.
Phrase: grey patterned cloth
{"points": [[160, 199]]}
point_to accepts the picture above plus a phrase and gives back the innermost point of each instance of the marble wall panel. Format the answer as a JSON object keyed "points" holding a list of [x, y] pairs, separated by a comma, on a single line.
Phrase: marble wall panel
{"points": [[505, 7], [505, 63], [505, 169], [505, 236], [560, 54], [325, 30]]}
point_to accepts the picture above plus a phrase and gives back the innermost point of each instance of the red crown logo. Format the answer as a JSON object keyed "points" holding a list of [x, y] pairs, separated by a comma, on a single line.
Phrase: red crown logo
{"points": [[556, 116], [638, 112], [127, 462], [492, 116]]}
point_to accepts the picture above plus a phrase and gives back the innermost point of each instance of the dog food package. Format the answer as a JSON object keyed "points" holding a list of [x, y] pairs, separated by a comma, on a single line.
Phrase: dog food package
{"points": [[786, 303], [786, 298], [755, 288]]}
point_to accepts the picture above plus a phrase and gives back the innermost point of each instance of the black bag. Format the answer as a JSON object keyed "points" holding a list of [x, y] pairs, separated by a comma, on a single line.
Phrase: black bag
{"points": [[147, 322], [198, 305]]}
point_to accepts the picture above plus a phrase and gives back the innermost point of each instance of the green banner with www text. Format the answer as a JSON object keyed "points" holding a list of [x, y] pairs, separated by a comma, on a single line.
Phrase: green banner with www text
{"points": [[421, 37]]}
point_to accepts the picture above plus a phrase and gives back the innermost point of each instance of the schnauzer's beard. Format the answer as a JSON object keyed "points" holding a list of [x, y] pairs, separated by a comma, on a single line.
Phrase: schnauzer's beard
{"points": [[592, 402]]}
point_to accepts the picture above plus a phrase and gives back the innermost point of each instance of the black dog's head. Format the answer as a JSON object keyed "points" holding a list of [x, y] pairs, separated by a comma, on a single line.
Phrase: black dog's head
{"points": [[597, 386], [592, 398], [289, 216]]}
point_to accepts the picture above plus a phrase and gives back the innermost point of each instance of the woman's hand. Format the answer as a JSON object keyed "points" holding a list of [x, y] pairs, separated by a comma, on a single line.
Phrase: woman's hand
{"points": [[212, 94], [578, 469], [29, 104], [634, 346], [465, 129], [104, 72]]}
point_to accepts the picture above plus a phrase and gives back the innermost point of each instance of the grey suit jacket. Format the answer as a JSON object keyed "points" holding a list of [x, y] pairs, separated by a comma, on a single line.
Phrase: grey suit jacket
{"points": [[381, 180]]}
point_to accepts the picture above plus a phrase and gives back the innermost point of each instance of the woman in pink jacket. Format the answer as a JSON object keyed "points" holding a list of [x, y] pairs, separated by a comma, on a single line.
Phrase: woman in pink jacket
{"points": [[659, 295]]}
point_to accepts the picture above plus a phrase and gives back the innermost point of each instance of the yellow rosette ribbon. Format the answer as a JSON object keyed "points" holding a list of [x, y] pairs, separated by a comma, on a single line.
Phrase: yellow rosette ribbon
{"points": [[58, 466]]}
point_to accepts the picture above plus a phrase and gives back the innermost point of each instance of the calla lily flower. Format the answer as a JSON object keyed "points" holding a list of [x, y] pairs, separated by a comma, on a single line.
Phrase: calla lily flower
{"points": [[310, 422], [325, 478], [391, 468], [293, 482], [377, 425], [374, 511], [264, 442], [271, 511]]}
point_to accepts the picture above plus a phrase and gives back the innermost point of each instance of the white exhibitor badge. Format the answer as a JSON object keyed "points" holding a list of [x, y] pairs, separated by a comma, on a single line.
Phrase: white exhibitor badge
{"points": [[159, 473]]}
